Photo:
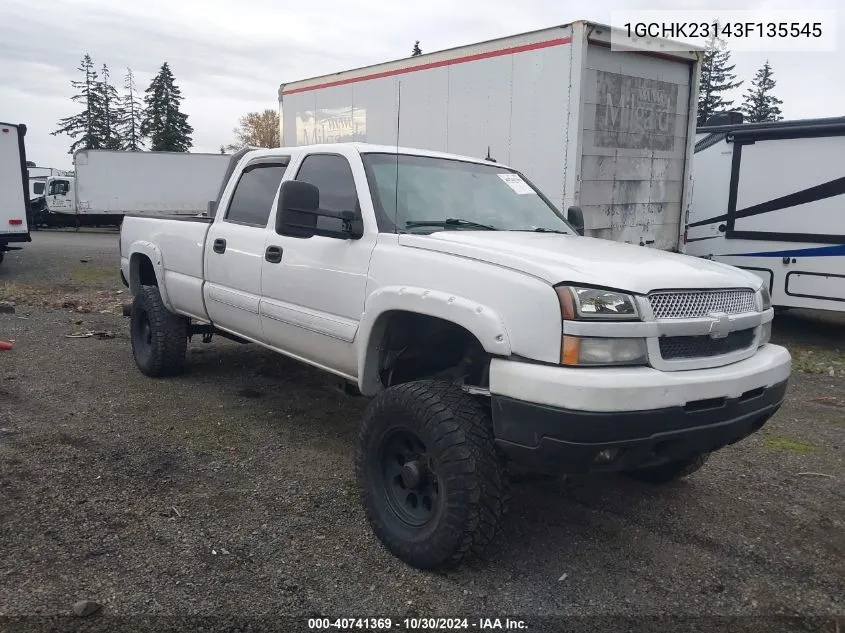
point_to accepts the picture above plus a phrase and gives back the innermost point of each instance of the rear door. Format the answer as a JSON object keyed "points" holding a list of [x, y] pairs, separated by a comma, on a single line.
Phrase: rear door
{"points": [[234, 251], [634, 145]]}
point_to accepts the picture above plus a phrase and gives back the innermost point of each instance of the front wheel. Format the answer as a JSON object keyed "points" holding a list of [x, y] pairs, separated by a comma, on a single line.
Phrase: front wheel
{"points": [[671, 471], [432, 485], [159, 337]]}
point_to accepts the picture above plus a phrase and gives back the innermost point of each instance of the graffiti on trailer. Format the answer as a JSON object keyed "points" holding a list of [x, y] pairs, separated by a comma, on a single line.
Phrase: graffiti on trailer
{"points": [[331, 125], [635, 113]]}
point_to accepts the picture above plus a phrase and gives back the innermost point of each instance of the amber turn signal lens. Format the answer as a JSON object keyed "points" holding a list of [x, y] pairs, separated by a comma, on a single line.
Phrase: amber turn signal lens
{"points": [[570, 348]]}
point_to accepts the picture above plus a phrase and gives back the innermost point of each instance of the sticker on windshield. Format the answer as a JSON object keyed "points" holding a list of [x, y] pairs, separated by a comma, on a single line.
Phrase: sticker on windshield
{"points": [[517, 184]]}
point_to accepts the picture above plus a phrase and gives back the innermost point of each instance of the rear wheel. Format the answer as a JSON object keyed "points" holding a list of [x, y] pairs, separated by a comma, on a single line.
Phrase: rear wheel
{"points": [[431, 482], [159, 337], [670, 471]]}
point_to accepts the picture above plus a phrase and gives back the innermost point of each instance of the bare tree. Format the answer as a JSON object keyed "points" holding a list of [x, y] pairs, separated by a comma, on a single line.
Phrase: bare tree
{"points": [[257, 129]]}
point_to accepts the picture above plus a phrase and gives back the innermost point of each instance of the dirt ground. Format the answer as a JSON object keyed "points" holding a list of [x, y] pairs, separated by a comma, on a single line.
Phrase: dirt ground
{"points": [[230, 490]]}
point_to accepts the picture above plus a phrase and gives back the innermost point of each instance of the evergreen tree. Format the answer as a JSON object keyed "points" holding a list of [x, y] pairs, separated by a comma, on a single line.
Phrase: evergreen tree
{"points": [[84, 126], [759, 103], [110, 112], [717, 78], [131, 116], [417, 50], [163, 123]]}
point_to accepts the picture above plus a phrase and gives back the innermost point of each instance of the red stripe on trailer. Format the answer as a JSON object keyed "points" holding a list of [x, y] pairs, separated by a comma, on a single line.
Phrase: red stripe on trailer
{"points": [[445, 62]]}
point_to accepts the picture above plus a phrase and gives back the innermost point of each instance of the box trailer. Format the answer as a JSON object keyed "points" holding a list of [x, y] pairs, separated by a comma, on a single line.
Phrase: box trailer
{"points": [[607, 130], [770, 198], [109, 184], [14, 188]]}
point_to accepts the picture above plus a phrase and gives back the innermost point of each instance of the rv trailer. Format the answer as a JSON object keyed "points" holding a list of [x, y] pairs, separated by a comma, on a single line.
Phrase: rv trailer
{"points": [[770, 198]]}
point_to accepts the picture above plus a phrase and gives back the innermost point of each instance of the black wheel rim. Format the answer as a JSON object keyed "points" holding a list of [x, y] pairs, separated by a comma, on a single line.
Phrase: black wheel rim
{"points": [[143, 331], [411, 486]]}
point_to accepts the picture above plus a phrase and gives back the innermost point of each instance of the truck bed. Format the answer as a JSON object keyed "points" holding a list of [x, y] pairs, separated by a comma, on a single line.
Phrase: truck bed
{"points": [[175, 244]]}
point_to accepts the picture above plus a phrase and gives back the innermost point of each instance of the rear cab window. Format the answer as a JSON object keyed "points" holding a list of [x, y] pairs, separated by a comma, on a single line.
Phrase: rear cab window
{"points": [[252, 200]]}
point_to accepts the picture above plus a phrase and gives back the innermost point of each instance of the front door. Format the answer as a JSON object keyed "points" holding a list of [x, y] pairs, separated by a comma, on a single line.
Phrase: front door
{"points": [[314, 293], [60, 197], [235, 249]]}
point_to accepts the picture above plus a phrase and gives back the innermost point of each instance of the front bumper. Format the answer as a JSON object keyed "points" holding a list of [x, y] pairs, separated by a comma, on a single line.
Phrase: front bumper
{"points": [[643, 417]]}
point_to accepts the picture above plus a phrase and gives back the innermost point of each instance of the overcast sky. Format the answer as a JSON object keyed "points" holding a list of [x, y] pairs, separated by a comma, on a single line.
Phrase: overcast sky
{"points": [[230, 57]]}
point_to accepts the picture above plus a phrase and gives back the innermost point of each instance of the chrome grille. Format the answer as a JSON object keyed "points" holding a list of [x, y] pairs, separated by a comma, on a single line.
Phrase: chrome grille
{"points": [[695, 304], [683, 347]]}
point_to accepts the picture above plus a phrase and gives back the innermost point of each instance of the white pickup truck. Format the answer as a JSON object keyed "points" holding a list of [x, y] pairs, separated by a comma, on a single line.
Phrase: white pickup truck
{"points": [[486, 329]]}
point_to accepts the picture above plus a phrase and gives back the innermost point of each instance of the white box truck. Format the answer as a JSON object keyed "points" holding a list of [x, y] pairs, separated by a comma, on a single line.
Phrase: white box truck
{"points": [[607, 130], [14, 188], [109, 184], [770, 198]]}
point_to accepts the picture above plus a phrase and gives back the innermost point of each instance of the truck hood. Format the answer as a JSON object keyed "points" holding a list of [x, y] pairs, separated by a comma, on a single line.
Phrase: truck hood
{"points": [[557, 258]]}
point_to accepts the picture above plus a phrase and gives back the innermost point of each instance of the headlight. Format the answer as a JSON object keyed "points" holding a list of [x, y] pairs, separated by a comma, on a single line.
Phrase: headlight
{"points": [[764, 299], [589, 351], [592, 303]]}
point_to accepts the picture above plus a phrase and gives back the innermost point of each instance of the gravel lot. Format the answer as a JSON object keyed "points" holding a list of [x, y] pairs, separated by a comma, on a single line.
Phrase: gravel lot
{"points": [[230, 490]]}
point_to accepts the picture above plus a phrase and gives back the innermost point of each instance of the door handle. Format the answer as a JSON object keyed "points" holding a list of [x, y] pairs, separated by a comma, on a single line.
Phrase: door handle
{"points": [[273, 254], [219, 245]]}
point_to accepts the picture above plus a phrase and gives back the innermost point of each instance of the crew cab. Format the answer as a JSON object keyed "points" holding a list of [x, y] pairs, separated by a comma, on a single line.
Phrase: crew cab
{"points": [[486, 329]]}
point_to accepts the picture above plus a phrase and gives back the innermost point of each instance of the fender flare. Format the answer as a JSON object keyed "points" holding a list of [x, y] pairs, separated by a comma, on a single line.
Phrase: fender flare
{"points": [[153, 253], [480, 320]]}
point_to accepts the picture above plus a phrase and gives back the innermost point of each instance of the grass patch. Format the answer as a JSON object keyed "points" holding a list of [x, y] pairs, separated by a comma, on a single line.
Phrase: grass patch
{"points": [[63, 297], [818, 361], [88, 275], [787, 445]]}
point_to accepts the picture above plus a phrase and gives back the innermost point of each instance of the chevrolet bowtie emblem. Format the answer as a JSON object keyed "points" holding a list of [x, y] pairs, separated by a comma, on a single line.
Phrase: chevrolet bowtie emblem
{"points": [[720, 325]]}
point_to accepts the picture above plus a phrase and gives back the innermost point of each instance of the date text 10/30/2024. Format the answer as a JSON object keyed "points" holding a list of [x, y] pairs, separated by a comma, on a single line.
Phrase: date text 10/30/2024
{"points": [[415, 624]]}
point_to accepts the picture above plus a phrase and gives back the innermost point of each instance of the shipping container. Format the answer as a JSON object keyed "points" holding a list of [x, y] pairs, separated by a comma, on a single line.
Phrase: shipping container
{"points": [[608, 130]]}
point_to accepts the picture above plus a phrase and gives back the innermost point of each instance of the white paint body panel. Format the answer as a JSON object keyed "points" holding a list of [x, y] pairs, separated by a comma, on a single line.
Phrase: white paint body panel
{"points": [[13, 204], [605, 130], [325, 301], [801, 271], [636, 388], [146, 183]]}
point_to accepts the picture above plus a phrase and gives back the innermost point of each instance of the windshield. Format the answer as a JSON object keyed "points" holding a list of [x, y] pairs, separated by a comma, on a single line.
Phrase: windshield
{"points": [[436, 194], [57, 187]]}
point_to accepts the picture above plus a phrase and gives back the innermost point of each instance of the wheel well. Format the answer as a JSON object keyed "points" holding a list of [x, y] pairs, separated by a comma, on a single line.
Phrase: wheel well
{"points": [[141, 272], [414, 346]]}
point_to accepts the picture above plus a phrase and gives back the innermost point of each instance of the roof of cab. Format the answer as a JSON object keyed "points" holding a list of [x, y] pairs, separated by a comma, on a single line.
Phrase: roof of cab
{"points": [[365, 148]]}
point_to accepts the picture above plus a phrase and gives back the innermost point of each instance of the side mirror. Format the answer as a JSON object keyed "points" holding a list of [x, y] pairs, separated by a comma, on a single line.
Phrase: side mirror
{"points": [[575, 217], [299, 209]]}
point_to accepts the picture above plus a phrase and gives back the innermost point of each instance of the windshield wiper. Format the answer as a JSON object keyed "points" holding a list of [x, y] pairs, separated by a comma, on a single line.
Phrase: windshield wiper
{"points": [[540, 229], [449, 222]]}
